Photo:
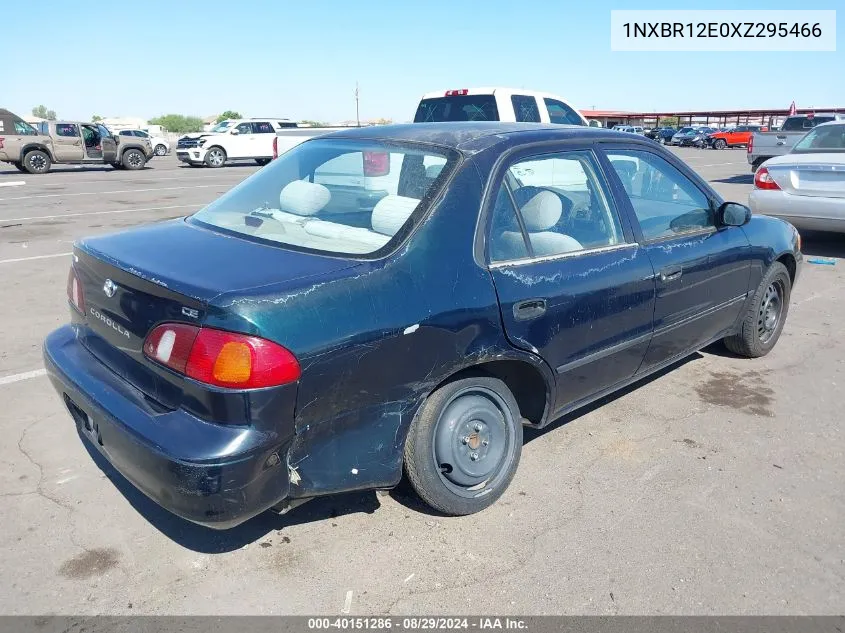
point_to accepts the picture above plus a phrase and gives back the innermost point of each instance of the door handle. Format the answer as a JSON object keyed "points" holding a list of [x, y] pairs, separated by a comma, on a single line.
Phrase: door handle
{"points": [[530, 309], [671, 274]]}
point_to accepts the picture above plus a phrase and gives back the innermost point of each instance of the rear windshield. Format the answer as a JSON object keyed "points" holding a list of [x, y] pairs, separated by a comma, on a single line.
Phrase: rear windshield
{"points": [[795, 124], [825, 138], [340, 196], [462, 108]]}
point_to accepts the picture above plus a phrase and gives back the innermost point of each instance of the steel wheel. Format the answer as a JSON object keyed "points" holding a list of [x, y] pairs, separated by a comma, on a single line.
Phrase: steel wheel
{"points": [[769, 314], [215, 157], [472, 440], [160, 150]]}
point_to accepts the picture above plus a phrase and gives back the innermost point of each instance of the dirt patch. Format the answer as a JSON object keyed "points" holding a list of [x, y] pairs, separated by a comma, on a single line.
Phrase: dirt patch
{"points": [[747, 392], [92, 562]]}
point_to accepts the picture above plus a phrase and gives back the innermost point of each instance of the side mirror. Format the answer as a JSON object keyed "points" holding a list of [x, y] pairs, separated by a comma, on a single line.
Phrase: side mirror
{"points": [[733, 214], [235, 131]]}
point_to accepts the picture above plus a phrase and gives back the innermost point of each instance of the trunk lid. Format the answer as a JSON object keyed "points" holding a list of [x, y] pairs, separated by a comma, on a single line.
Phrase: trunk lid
{"points": [[171, 271], [814, 175]]}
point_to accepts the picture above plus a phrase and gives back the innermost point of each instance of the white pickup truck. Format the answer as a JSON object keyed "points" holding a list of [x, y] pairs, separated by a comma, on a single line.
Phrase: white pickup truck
{"points": [[232, 139]]}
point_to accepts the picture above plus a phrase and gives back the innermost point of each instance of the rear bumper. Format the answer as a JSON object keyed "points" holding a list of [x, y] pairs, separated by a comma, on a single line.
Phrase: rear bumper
{"points": [[809, 213], [239, 474]]}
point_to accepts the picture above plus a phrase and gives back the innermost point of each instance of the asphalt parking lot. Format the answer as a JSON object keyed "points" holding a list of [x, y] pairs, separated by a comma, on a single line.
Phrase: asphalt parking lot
{"points": [[717, 487]]}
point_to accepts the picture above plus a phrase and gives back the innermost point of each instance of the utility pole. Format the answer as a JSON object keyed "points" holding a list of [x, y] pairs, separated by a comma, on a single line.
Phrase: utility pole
{"points": [[357, 115]]}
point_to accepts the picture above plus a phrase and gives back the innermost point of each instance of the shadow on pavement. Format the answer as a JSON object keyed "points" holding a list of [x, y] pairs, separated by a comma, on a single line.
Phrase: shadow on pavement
{"points": [[738, 179]]}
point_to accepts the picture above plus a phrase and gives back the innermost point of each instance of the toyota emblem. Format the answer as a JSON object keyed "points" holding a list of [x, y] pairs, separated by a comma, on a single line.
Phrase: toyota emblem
{"points": [[109, 288]]}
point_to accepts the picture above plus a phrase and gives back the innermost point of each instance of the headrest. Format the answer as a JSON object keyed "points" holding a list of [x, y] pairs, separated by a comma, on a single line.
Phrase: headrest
{"points": [[301, 197], [391, 212], [542, 211], [433, 171]]}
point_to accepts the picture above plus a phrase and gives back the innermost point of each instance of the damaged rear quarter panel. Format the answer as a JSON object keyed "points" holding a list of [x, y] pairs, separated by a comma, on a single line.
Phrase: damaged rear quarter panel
{"points": [[374, 340]]}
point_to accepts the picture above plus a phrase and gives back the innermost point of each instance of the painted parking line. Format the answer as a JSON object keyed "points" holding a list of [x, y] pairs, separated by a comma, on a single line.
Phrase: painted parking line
{"points": [[103, 193], [83, 213], [35, 373], [14, 183], [28, 259]]}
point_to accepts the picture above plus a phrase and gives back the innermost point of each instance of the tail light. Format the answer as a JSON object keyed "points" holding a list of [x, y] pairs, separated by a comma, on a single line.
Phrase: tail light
{"points": [[376, 163], [763, 180], [275, 147], [74, 291], [750, 144], [221, 358], [457, 93]]}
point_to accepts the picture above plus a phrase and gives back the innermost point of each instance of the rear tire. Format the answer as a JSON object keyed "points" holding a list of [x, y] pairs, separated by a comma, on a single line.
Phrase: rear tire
{"points": [[215, 157], [133, 159], [37, 162], [464, 445], [763, 322]]}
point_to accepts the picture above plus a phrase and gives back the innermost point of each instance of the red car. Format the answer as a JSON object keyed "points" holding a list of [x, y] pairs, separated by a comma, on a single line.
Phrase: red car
{"points": [[740, 135]]}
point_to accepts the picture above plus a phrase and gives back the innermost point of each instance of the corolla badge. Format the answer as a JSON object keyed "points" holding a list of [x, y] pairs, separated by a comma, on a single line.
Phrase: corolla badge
{"points": [[109, 288]]}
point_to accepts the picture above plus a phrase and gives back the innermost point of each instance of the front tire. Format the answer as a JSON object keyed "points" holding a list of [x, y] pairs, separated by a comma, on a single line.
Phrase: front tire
{"points": [[160, 150], [464, 445], [133, 159], [37, 162], [763, 322], [215, 157]]}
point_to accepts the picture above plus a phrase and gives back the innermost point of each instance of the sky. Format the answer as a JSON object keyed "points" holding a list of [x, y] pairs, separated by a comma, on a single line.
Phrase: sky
{"points": [[301, 60]]}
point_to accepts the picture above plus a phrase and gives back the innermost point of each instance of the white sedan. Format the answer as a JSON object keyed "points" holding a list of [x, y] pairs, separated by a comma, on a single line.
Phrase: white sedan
{"points": [[806, 187], [161, 146]]}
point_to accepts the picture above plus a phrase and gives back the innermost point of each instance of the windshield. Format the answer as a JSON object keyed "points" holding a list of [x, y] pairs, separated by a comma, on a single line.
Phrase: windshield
{"points": [[338, 196], [825, 138], [222, 126], [685, 130], [463, 108]]}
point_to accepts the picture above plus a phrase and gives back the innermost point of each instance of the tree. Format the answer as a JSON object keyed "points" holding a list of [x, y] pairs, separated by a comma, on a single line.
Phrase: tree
{"points": [[310, 123], [229, 114], [96, 118], [669, 121], [383, 121], [43, 113], [179, 123]]}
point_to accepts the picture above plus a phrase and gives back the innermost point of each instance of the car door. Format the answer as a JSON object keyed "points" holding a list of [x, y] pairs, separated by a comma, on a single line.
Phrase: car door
{"points": [[573, 285], [264, 134], [108, 144], [738, 136], [67, 143], [240, 144], [702, 271]]}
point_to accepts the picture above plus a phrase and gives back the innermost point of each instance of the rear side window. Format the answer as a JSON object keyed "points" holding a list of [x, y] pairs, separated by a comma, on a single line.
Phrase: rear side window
{"points": [[459, 108], [22, 128], [525, 108], [67, 129], [339, 196], [263, 127]]}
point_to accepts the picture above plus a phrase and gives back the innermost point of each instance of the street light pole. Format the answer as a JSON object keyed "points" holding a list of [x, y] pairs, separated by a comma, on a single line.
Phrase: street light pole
{"points": [[357, 115]]}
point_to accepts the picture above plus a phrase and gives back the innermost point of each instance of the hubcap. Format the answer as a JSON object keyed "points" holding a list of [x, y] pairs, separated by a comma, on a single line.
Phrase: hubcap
{"points": [[37, 162], [216, 157], [160, 150], [472, 439], [134, 159], [770, 311]]}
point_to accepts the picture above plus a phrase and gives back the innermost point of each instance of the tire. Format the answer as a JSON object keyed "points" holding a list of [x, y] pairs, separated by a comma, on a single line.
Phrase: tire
{"points": [[756, 164], [133, 159], [719, 143], [262, 161], [464, 445], [160, 150], [37, 162], [20, 167], [215, 156], [763, 322]]}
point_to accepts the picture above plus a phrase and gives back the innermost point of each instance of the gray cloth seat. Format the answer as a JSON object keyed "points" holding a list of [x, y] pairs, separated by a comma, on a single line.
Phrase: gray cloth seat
{"points": [[540, 213]]}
